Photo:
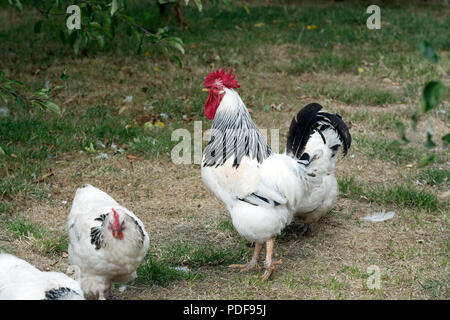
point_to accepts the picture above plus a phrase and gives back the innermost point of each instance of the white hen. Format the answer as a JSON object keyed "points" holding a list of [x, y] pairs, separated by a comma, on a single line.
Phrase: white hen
{"points": [[19, 280], [263, 190], [107, 242]]}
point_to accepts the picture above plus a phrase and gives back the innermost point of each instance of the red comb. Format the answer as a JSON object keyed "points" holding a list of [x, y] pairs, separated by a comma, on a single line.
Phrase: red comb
{"points": [[116, 224], [226, 79]]}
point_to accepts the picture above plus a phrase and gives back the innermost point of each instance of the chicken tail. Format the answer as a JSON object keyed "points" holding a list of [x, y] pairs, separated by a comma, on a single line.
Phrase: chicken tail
{"points": [[308, 121]]}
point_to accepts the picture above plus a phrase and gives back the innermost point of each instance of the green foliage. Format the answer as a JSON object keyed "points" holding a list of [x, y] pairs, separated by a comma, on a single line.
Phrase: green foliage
{"points": [[430, 99], [426, 160], [431, 96], [99, 21], [10, 91], [428, 51]]}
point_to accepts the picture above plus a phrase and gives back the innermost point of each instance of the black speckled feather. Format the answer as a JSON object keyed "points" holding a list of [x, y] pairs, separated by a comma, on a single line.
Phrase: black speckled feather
{"points": [[97, 232], [59, 293]]}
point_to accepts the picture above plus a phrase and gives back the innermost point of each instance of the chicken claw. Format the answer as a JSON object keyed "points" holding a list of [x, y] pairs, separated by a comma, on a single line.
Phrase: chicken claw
{"points": [[245, 267], [269, 263], [270, 269], [253, 263]]}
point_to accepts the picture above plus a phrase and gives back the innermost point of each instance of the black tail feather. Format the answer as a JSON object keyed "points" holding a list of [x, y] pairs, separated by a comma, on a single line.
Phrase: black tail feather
{"points": [[304, 123], [301, 129], [341, 128]]}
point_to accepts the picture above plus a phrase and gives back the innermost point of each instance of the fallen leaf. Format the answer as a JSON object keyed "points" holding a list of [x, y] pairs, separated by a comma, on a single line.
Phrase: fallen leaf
{"points": [[70, 99], [311, 27], [64, 254], [159, 124], [258, 25], [46, 176], [131, 157], [148, 125], [123, 109]]}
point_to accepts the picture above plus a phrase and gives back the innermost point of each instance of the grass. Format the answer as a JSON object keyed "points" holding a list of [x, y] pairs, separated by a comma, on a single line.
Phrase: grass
{"points": [[434, 176], [20, 227], [352, 94], [439, 289], [401, 195], [225, 225], [370, 77], [179, 253], [36, 141], [45, 241], [386, 150], [329, 62], [153, 271], [175, 261]]}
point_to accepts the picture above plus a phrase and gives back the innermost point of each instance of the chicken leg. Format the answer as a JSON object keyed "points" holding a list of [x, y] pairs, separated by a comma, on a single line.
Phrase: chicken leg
{"points": [[253, 262], [270, 264]]}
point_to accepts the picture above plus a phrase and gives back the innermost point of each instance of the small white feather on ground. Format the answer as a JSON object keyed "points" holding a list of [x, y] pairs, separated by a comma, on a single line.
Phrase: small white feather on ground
{"points": [[379, 216]]}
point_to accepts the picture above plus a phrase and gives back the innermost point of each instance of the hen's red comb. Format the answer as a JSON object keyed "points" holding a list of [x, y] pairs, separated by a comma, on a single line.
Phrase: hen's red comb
{"points": [[116, 224], [225, 79]]}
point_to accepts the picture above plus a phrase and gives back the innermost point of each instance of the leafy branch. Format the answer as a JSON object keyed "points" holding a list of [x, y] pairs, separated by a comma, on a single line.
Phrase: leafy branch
{"points": [[40, 99], [98, 23], [430, 99]]}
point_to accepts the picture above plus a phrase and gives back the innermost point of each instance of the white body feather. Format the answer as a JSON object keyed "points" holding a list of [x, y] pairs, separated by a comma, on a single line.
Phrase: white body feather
{"points": [[19, 280], [305, 192], [117, 260]]}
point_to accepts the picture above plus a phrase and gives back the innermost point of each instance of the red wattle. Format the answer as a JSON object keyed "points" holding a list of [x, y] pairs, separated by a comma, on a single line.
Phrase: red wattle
{"points": [[211, 105]]}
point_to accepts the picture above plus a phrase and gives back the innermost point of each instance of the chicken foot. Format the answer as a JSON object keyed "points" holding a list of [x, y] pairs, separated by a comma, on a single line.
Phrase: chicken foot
{"points": [[270, 264], [253, 262]]}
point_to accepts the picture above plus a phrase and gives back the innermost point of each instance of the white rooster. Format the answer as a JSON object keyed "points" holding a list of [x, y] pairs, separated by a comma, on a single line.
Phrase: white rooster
{"points": [[263, 190], [107, 242], [19, 280]]}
